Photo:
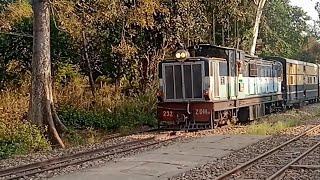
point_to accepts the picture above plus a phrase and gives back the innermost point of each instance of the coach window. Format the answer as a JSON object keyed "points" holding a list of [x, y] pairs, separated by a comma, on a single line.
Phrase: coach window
{"points": [[259, 70], [245, 69], [262, 71], [270, 71], [274, 71], [279, 70], [266, 71], [253, 70], [291, 80], [211, 68], [223, 69], [266, 74]]}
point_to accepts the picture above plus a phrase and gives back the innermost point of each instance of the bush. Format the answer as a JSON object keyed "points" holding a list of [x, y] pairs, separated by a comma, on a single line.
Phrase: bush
{"points": [[127, 114], [275, 123], [16, 136], [20, 138]]}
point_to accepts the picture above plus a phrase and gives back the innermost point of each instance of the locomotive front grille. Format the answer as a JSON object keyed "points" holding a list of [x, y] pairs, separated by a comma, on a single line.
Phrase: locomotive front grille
{"points": [[183, 81]]}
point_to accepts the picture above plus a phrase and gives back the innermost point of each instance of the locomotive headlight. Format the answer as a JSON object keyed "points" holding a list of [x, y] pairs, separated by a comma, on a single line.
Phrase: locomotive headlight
{"points": [[182, 55], [178, 55]]}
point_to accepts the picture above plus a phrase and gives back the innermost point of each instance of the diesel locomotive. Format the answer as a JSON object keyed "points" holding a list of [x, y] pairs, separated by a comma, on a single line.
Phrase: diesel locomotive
{"points": [[206, 86]]}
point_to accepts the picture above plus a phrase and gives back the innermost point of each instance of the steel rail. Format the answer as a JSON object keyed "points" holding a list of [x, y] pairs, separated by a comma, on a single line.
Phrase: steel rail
{"points": [[28, 167], [47, 167], [302, 166], [113, 136], [4, 172], [282, 170], [51, 166], [248, 163]]}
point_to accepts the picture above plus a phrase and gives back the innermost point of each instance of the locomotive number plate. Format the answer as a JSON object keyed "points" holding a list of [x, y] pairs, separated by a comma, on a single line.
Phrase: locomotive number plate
{"points": [[200, 112], [167, 113]]}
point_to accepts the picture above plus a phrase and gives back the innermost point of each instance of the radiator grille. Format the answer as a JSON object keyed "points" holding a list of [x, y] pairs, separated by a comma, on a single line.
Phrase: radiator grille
{"points": [[183, 81]]}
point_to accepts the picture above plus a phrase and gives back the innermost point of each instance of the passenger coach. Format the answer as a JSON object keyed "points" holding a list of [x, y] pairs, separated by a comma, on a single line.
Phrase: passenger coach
{"points": [[301, 81]]}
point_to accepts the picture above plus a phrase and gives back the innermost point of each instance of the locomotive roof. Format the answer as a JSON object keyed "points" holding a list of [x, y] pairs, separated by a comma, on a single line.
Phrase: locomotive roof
{"points": [[210, 51], [198, 58], [212, 46]]}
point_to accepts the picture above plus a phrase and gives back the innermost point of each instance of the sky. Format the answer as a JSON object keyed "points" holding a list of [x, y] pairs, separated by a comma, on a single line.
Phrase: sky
{"points": [[308, 6]]}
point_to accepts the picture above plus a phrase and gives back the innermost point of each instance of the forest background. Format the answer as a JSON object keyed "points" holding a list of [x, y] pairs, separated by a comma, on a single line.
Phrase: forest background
{"points": [[105, 53]]}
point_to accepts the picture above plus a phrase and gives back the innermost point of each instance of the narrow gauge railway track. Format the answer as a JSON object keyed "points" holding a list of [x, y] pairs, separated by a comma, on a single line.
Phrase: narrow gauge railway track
{"points": [[242, 171], [119, 135], [77, 158]]}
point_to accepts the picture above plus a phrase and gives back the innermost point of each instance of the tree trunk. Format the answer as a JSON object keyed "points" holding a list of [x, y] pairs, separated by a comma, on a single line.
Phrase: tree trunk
{"points": [[213, 27], [222, 34], [86, 56], [41, 107], [256, 26]]}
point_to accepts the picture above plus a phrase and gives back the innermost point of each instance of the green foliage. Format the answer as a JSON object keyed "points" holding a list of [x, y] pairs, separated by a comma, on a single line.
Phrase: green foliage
{"points": [[127, 39], [68, 73], [129, 113], [310, 51], [20, 138], [275, 123], [74, 138], [17, 136], [14, 13], [270, 129], [282, 29]]}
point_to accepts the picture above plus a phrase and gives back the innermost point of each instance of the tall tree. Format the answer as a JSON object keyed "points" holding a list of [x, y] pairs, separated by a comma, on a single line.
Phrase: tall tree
{"points": [[283, 29], [260, 4], [41, 110]]}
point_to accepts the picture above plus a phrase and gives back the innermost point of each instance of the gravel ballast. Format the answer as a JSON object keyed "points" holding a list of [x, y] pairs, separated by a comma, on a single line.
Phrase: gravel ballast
{"points": [[217, 167]]}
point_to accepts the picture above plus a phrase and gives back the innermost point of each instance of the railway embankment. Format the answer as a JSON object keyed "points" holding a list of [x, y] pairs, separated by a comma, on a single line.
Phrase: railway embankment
{"points": [[291, 152], [194, 155]]}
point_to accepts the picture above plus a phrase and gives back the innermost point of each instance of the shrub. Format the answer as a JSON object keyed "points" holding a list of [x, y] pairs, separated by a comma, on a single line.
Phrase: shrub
{"points": [[127, 114], [16, 136], [20, 138], [275, 123]]}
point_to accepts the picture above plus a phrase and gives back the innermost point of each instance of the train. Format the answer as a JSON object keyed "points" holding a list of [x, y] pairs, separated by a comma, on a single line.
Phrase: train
{"points": [[207, 86]]}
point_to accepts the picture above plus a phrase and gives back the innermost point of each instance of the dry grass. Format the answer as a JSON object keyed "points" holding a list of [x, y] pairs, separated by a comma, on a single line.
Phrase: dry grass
{"points": [[13, 105], [17, 136], [97, 117], [276, 123]]}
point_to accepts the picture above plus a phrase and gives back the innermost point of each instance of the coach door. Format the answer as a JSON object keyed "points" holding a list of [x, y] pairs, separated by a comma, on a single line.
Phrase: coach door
{"points": [[292, 81]]}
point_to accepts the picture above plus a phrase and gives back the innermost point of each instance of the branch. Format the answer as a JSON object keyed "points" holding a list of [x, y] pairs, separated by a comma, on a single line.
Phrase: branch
{"points": [[54, 19], [16, 34]]}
